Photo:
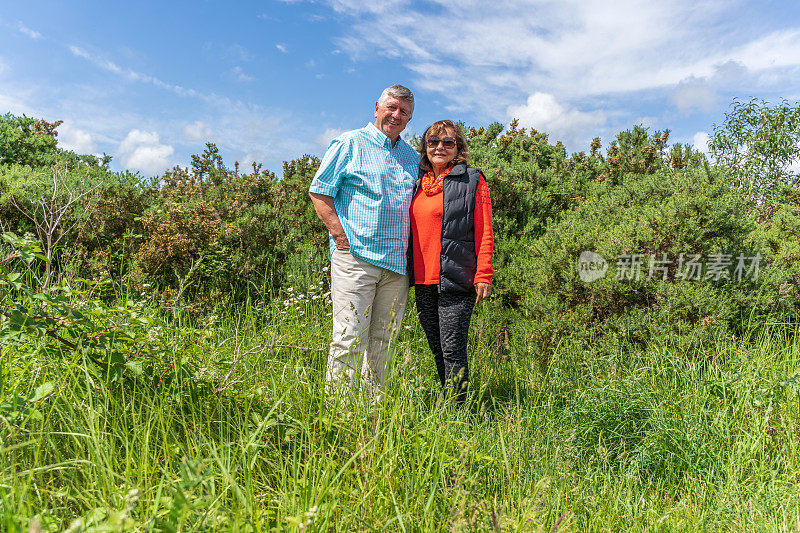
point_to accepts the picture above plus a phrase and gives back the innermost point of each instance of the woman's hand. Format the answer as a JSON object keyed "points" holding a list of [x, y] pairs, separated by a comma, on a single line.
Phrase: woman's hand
{"points": [[484, 290]]}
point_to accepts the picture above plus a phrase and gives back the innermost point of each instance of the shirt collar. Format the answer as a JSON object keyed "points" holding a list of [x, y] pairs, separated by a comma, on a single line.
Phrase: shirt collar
{"points": [[380, 137]]}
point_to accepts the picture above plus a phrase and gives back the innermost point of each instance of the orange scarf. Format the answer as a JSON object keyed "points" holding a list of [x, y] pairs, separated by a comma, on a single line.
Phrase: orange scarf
{"points": [[433, 185]]}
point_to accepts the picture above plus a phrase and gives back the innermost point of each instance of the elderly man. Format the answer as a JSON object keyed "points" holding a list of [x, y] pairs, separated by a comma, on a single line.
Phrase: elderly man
{"points": [[362, 193]]}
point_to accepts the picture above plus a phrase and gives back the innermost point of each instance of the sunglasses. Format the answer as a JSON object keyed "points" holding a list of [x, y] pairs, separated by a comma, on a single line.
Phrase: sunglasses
{"points": [[447, 142]]}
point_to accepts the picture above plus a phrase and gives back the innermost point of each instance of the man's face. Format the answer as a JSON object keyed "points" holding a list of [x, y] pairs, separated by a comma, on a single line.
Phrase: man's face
{"points": [[392, 115]]}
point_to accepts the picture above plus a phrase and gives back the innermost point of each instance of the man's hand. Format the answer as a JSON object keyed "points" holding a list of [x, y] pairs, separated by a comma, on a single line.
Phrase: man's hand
{"points": [[341, 242], [484, 290], [326, 212]]}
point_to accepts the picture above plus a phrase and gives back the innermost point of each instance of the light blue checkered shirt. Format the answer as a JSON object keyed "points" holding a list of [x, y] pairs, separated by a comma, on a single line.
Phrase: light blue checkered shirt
{"points": [[371, 185]]}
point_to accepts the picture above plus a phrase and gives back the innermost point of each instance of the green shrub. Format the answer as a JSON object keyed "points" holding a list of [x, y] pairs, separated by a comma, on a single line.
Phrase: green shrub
{"points": [[616, 212]]}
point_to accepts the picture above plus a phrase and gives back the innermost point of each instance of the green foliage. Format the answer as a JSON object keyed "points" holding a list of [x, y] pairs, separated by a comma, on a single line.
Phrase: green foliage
{"points": [[27, 141], [66, 322], [208, 233], [175, 364], [635, 152], [635, 200], [779, 236], [32, 142], [64, 204], [103, 244], [228, 233], [631, 439], [758, 143]]}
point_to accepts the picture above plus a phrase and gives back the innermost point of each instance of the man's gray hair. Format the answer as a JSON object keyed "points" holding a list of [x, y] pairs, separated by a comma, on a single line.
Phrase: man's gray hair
{"points": [[398, 91]]}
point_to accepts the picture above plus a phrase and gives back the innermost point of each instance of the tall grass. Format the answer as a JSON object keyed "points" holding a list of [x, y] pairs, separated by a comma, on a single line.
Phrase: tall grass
{"points": [[239, 435]]}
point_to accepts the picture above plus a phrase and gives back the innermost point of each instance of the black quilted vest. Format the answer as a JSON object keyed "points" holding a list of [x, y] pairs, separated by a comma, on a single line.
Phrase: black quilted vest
{"points": [[459, 262]]}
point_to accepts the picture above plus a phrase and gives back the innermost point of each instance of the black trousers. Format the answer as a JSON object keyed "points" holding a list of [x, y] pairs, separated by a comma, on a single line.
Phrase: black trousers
{"points": [[445, 320]]}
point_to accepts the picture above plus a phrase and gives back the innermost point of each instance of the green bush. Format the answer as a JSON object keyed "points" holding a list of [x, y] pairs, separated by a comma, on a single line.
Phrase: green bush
{"points": [[613, 211], [207, 235]]}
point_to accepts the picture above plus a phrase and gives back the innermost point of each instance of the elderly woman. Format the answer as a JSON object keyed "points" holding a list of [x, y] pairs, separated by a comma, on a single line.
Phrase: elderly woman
{"points": [[450, 251]]}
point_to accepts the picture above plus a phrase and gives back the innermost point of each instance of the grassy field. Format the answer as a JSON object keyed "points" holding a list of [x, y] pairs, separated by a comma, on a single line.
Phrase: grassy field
{"points": [[237, 435]]}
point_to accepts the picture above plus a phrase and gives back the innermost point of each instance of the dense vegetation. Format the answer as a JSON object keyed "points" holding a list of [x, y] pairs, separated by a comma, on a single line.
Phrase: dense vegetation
{"points": [[163, 346]]}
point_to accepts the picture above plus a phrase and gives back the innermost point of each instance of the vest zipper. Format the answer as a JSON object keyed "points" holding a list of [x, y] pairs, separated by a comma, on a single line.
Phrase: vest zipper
{"points": [[441, 241]]}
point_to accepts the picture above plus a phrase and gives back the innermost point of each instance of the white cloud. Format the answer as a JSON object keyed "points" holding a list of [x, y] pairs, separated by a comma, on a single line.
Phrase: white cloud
{"points": [[778, 49], [646, 121], [29, 32], [700, 142], [266, 135], [729, 71], [358, 6], [544, 113], [570, 48], [77, 140], [142, 150], [198, 131], [282, 47], [239, 75], [237, 127], [694, 93], [13, 105], [550, 44], [132, 75], [325, 138], [246, 163], [77, 51], [793, 166]]}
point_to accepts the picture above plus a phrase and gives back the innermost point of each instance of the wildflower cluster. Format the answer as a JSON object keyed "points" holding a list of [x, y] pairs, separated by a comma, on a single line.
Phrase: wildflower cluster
{"points": [[298, 304]]}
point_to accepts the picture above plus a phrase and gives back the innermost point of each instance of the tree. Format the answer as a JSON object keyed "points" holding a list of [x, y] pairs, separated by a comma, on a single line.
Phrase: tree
{"points": [[759, 145], [27, 141], [32, 142], [50, 206]]}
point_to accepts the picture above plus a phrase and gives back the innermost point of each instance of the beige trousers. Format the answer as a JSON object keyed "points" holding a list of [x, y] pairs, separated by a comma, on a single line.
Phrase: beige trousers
{"points": [[368, 307]]}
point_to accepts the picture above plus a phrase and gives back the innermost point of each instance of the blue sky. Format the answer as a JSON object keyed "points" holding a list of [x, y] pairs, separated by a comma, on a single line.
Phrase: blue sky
{"points": [[151, 82]]}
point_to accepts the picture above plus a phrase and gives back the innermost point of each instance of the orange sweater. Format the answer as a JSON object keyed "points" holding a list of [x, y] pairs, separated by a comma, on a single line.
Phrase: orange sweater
{"points": [[426, 229]]}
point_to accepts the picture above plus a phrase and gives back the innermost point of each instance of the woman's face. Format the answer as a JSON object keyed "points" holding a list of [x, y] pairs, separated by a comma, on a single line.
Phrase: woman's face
{"points": [[442, 148]]}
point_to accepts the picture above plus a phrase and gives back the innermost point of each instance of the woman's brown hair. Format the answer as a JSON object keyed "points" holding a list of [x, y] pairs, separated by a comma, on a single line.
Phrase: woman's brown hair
{"points": [[439, 129]]}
